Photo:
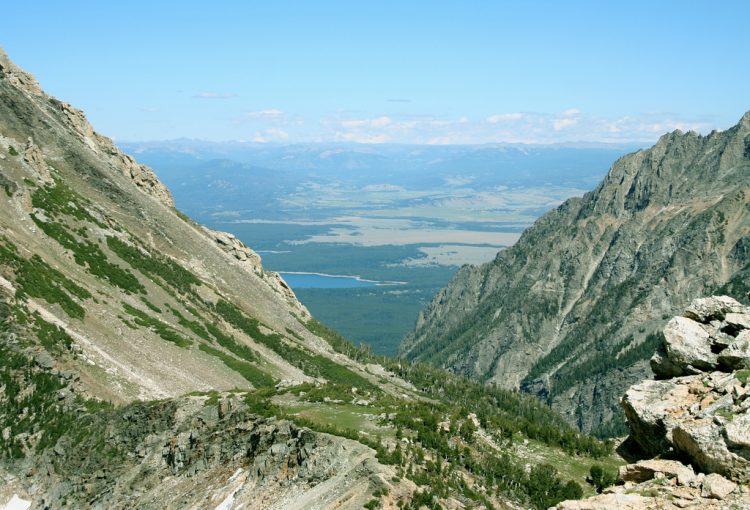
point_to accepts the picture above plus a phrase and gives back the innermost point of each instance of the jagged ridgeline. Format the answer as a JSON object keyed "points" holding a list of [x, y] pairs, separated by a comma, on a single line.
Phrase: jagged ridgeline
{"points": [[573, 311], [149, 362]]}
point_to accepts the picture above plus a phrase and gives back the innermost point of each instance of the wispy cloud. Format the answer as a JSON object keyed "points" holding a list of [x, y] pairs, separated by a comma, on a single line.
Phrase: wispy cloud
{"points": [[214, 95], [377, 122], [147, 109], [361, 137], [559, 124], [271, 135], [389, 128], [269, 115], [504, 117], [568, 125]]}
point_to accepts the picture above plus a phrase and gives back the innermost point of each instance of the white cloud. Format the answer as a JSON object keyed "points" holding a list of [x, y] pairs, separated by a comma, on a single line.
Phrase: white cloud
{"points": [[559, 124], [361, 137], [570, 112], [214, 95], [565, 126], [441, 140], [377, 122], [269, 114], [504, 117], [271, 135]]}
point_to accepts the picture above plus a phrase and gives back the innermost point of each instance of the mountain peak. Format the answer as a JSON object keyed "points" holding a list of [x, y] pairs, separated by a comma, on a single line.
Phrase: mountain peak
{"points": [[17, 76], [573, 309]]}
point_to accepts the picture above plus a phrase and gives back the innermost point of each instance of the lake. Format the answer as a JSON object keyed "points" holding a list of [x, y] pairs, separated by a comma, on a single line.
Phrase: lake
{"points": [[324, 281]]}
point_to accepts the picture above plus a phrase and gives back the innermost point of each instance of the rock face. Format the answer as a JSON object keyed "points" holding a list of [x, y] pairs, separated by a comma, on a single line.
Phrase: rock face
{"points": [[702, 418], [570, 312], [34, 157], [143, 177]]}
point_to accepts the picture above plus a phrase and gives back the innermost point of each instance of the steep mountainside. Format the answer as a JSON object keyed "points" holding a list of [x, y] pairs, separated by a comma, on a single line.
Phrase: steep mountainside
{"points": [[573, 311], [149, 362]]}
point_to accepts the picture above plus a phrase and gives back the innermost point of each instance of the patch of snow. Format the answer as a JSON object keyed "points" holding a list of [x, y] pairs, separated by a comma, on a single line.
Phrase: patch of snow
{"points": [[227, 503], [17, 503]]}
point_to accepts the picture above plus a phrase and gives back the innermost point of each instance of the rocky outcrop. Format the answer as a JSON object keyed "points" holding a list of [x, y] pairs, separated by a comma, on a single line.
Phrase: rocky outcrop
{"points": [[703, 415], [568, 313], [235, 248], [18, 77], [196, 452], [702, 418], [143, 177], [664, 490], [648, 469], [251, 262], [705, 338], [33, 157]]}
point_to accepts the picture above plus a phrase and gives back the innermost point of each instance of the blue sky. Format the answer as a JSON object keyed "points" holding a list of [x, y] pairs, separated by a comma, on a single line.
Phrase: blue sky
{"points": [[390, 71]]}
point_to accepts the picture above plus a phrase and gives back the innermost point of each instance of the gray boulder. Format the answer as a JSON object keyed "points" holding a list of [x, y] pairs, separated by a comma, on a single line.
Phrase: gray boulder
{"points": [[713, 308], [645, 470], [737, 321], [662, 366], [737, 355], [688, 347], [44, 360], [649, 410], [717, 487]]}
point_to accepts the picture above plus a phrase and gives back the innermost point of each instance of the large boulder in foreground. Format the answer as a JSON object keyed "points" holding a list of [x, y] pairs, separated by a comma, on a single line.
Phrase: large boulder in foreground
{"points": [[652, 408], [698, 410], [705, 415]]}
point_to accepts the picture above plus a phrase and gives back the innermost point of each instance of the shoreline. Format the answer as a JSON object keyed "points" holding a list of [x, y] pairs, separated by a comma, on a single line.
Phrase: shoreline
{"points": [[353, 277]]}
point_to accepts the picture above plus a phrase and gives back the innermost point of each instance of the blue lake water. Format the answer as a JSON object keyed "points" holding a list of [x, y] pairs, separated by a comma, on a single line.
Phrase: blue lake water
{"points": [[319, 281]]}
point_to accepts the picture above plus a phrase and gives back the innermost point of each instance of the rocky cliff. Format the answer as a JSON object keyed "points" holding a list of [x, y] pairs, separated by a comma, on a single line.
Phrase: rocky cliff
{"points": [[694, 419], [572, 312]]}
